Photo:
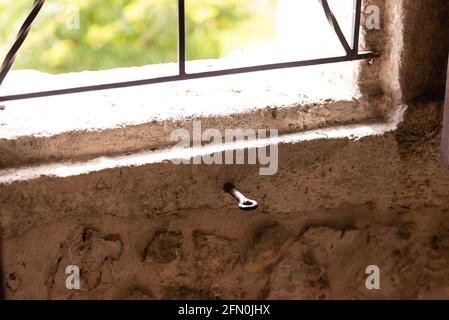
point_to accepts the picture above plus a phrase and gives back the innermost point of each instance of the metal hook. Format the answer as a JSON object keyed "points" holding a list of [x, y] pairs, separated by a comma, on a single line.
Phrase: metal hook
{"points": [[245, 203]]}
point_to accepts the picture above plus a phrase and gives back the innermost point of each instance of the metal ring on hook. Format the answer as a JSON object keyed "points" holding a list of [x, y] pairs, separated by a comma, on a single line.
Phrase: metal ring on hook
{"points": [[245, 203]]}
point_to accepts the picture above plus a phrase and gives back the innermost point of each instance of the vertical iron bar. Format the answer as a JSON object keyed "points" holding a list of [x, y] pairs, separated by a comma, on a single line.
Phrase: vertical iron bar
{"points": [[181, 38], [356, 27]]}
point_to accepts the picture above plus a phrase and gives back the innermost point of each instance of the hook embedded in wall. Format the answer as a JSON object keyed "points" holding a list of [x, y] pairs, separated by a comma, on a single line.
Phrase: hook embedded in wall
{"points": [[245, 203]]}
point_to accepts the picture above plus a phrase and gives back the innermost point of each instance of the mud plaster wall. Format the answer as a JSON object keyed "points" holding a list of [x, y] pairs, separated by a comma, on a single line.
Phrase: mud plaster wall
{"points": [[165, 231], [413, 43]]}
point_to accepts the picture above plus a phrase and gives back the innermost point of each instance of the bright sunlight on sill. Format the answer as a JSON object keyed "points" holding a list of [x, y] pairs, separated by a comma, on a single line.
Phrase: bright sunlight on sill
{"points": [[210, 97]]}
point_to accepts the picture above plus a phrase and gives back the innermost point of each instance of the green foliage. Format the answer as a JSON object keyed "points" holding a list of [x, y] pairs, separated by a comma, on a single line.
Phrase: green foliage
{"points": [[120, 33]]}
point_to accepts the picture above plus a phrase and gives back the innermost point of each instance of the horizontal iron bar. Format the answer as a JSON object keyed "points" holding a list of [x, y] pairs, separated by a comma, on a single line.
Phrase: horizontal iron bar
{"points": [[189, 76]]}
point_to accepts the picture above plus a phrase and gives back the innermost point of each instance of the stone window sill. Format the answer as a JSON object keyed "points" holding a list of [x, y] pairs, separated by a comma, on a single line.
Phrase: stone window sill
{"points": [[81, 127]]}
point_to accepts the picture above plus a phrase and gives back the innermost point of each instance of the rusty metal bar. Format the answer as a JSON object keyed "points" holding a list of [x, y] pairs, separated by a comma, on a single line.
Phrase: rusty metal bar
{"points": [[351, 54], [356, 26], [181, 37], [21, 36], [189, 76], [335, 26]]}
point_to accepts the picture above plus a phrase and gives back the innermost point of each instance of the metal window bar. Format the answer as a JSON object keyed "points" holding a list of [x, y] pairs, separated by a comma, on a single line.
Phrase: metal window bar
{"points": [[352, 53]]}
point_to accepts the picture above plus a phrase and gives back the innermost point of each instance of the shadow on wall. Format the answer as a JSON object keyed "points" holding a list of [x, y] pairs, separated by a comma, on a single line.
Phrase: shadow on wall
{"points": [[2, 283], [426, 40]]}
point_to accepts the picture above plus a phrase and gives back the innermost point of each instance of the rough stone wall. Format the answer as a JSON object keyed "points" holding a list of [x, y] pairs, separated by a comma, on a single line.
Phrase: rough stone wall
{"points": [[166, 231], [89, 144], [426, 47], [335, 207], [413, 42]]}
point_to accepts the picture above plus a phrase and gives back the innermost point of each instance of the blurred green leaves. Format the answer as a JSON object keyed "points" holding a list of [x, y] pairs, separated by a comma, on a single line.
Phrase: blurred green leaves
{"points": [[122, 33]]}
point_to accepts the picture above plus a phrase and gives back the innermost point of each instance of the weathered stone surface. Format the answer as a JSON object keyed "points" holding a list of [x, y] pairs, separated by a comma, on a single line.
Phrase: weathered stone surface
{"points": [[336, 206]]}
